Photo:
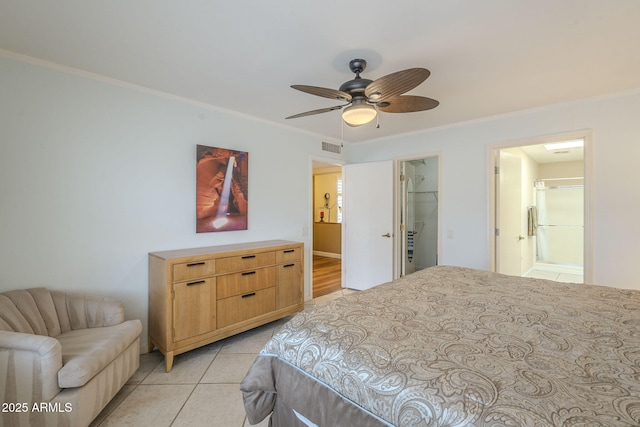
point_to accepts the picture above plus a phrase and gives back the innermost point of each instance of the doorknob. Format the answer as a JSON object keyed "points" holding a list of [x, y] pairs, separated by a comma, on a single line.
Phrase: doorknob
{"points": [[520, 237], [386, 235]]}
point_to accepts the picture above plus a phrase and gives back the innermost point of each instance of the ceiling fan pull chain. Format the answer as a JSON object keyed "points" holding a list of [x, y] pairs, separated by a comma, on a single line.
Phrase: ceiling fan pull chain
{"points": [[377, 116]]}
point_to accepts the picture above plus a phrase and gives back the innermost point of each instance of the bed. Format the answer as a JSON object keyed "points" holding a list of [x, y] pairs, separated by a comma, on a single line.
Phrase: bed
{"points": [[452, 346]]}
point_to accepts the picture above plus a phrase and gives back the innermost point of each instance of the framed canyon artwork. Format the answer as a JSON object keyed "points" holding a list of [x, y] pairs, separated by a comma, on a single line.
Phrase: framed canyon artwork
{"points": [[222, 181]]}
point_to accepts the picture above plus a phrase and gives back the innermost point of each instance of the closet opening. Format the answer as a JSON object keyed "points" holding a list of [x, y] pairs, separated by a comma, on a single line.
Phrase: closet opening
{"points": [[419, 213]]}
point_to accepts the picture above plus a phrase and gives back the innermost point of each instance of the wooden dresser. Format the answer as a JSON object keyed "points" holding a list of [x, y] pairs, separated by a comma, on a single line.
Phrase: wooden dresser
{"points": [[201, 295]]}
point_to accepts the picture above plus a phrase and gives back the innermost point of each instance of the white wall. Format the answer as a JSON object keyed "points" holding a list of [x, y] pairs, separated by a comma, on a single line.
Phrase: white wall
{"points": [[93, 176], [616, 174]]}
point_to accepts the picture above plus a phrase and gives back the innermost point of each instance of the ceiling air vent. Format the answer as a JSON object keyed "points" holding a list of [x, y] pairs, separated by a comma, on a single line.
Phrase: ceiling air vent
{"points": [[332, 148]]}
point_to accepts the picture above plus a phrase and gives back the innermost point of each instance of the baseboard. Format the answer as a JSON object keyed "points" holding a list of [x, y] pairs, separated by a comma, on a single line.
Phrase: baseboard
{"points": [[328, 254]]}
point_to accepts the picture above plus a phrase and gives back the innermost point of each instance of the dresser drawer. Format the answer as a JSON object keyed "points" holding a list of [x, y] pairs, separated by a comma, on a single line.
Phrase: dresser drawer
{"points": [[193, 269], [289, 254], [242, 307], [245, 262], [244, 282]]}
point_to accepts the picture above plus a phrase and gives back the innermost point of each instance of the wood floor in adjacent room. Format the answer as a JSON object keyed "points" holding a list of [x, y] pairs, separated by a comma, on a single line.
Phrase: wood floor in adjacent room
{"points": [[327, 274]]}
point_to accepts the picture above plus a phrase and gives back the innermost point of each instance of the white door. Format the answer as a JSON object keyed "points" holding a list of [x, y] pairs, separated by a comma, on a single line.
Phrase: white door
{"points": [[509, 215], [368, 224]]}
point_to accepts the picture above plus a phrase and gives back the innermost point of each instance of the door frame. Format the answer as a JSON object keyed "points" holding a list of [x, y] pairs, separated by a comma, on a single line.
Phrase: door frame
{"points": [[309, 256], [398, 206], [492, 151]]}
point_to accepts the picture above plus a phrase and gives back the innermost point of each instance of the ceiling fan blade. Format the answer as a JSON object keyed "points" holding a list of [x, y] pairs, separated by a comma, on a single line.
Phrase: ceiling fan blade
{"points": [[407, 104], [312, 112], [395, 84], [324, 92]]}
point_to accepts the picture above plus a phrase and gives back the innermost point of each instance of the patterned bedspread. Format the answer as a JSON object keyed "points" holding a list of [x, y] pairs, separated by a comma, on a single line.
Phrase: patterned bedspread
{"points": [[451, 346]]}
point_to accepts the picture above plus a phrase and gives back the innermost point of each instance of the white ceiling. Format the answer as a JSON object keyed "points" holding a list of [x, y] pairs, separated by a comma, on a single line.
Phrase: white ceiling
{"points": [[486, 58], [542, 155]]}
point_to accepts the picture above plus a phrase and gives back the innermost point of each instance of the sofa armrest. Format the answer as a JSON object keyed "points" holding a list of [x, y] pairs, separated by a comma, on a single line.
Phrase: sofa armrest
{"points": [[90, 311], [30, 365]]}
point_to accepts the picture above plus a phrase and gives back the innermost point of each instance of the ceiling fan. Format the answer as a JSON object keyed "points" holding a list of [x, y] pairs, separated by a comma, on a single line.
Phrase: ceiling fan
{"points": [[364, 97]]}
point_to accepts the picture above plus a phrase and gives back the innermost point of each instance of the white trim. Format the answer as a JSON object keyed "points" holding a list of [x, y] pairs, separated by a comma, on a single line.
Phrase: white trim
{"points": [[509, 114], [136, 87], [304, 419]]}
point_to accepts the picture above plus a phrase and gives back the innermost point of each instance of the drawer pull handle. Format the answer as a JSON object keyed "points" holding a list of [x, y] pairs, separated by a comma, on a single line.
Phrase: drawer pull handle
{"points": [[248, 256], [248, 273], [200, 282], [288, 265], [288, 251], [248, 295], [194, 264]]}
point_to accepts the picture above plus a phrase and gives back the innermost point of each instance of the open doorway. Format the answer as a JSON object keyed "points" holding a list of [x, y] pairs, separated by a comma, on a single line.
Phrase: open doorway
{"points": [[327, 228], [541, 212], [419, 206]]}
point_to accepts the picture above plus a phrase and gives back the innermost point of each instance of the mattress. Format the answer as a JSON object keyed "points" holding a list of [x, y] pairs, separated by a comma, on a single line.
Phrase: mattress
{"points": [[452, 346]]}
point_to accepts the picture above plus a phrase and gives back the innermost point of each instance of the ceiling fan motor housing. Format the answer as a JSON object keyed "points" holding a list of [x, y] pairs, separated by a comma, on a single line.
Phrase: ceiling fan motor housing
{"points": [[355, 86], [357, 65], [358, 84]]}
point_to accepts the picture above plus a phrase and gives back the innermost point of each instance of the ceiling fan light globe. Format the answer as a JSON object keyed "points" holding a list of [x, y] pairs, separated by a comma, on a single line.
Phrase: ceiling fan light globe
{"points": [[359, 114]]}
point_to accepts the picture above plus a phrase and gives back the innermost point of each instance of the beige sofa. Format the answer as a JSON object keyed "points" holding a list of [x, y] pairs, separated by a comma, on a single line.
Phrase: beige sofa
{"points": [[63, 356]]}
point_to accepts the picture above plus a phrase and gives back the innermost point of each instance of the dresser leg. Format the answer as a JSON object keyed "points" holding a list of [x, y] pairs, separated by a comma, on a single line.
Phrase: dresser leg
{"points": [[168, 361], [150, 345]]}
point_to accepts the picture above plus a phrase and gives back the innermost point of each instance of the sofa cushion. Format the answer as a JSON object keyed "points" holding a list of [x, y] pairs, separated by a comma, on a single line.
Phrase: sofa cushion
{"points": [[46, 308], [81, 311], [21, 314], [10, 317], [85, 352]]}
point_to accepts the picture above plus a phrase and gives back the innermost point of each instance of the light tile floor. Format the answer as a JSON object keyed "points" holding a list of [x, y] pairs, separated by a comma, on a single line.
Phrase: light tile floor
{"points": [[202, 389], [553, 275]]}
